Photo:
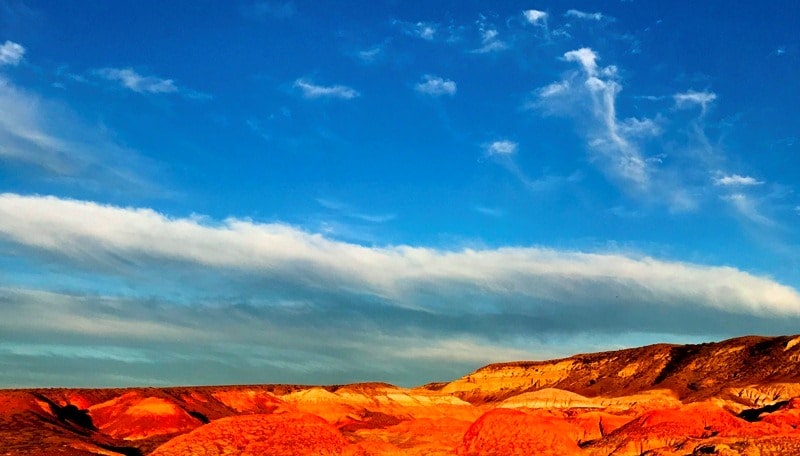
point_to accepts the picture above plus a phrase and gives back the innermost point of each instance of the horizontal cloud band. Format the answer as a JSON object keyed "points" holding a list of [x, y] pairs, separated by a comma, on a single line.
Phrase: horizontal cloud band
{"points": [[498, 280]]}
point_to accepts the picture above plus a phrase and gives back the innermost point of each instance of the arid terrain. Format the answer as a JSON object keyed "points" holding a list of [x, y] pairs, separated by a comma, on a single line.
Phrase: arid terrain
{"points": [[736, 397]]}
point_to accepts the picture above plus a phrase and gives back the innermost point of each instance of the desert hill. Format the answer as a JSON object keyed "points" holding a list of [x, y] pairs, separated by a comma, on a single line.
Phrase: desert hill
{"points": [[736, 397]]}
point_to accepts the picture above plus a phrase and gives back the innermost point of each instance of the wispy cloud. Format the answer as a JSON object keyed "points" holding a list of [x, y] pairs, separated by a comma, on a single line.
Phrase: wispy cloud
{"points": [[584, 15], [504, 152], [52, 142], [425, 30], [436, 86], [371, 54], [312, 91], [611, 139], [490, 41], [554, 89], [535, 17], [693, 98], [778, 51], [349, 211], [502, 147], [489, 211], [11, 53], [748, 208], [136, 82], [259, 287], [736, 180]]}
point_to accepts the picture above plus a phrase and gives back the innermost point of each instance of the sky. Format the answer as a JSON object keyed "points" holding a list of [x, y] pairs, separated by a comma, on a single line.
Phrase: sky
{"points": [[291, 191]]}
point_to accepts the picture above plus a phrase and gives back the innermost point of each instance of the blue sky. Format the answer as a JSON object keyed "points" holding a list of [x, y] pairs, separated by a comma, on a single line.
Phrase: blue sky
{"points": [[290, 191]]}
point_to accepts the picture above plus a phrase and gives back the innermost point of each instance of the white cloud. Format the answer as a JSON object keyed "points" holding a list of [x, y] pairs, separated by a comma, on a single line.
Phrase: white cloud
{"points": [[502, 147], [535, 17], [436, 86], [11, 53], [138, 83], [584, 15], [311, 90], [586, 57], [691, 98], [736, 180]]}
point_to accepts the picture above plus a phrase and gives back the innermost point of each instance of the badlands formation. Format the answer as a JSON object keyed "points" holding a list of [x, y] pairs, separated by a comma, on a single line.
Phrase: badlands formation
{"points": [[737, 397]]}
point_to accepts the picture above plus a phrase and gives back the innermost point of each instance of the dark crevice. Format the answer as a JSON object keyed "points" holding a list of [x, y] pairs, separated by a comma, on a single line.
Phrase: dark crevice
{"points": [[199, 416], [127, 451], [677, 356], [754, 414], [69, 414]]}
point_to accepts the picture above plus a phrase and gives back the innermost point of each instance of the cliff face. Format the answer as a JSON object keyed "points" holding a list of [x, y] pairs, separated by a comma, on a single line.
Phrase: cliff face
{"points": [[740, 396]]}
